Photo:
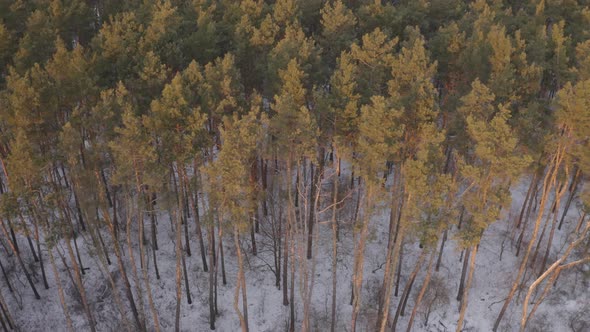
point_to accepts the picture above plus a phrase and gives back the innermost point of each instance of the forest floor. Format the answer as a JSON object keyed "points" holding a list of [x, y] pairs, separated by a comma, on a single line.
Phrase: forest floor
{"points": [[565, 309]]}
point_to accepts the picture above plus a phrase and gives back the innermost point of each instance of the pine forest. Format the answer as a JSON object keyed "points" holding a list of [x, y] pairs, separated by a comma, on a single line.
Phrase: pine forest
{"points": [[295, 165]]}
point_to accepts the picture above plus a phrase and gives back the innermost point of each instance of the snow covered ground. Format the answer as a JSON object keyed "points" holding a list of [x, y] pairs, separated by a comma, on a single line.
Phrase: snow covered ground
{"points": [[565, 309]]}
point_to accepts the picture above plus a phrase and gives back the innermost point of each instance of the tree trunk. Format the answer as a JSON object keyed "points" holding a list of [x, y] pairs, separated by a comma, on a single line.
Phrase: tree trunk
{"points": [[178, 280], [422, 291], [118, 255], [466, 289], [553, 224], [526, 199], [6, 277], [442, 247], [532, 201], [222, 256], [19, 259], [287, 232], [80, 285], [357, 276], [548, 182], [134, 273], [240, 284], [463, 274], [572, 193], [195, 207], [408, 289], [310, 220], [212, 261], [336, 165], [60, 291], [37, 240], [399, 269]]}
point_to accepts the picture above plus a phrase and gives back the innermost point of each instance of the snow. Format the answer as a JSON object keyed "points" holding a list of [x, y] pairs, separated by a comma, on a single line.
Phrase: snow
{"points": [[566, 304]]}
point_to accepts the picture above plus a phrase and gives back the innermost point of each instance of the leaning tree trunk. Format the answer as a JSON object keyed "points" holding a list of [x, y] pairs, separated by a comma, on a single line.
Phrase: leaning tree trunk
{"points": [[548, 183], [572, 193], [19, 259]]}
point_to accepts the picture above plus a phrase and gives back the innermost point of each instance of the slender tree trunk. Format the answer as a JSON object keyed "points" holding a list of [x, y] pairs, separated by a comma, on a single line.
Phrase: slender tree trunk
{"points": [[407, 289], [526, 199], [6, 313], [178, 249], [463, 274], [531, 203], [20, 260], [222, 256], [120, 263], [213, 262], [6, 277], [12, 235], [74, 237], [357, 276], [291, 229], [310, 220], [292, 285], [442, 248], [60, 291], [37, 240], [264, 175], [552, 232], [572, 193], [466, 289], [580, 222], [241, 285], [80, 285], [287, 232], [548, 182], [143, 257], [422, 291], [134, 273], [399, 268], [195, 207], [336, 165]]}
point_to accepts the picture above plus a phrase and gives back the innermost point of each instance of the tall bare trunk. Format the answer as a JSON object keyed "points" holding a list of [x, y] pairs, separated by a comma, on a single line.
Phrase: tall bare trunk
{"points": [[240, 285], [19, 259], [357, 276], [336, 165], [463, 274], [407, 289], [465, 297], [422, 291], [60, 291], [572, 193], [176, 214], [80, 285]]}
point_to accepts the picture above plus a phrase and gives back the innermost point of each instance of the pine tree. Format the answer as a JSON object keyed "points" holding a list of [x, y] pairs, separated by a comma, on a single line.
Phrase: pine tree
{"points": [[378, 138], [487, 169], [36, 46], [338, 30], [229, 175]]}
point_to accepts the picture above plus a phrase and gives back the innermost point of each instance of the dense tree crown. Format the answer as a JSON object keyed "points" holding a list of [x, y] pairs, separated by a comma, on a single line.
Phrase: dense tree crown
{"points": [[136, 132]]}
